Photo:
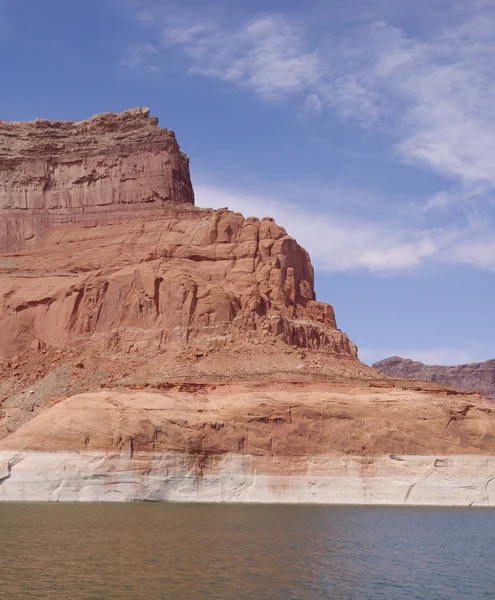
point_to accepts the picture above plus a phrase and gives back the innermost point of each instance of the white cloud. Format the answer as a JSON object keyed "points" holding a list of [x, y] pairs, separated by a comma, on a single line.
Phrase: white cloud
{"points": [[313, 104], [431, 91], [435, 91], [268, 54], [337, 242], [440, 201], [477, 250], [146, 18], [137, 55]]}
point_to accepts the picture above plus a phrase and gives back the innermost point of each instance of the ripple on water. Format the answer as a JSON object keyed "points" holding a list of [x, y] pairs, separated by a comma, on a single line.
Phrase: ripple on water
{"points": [[185, 552]]}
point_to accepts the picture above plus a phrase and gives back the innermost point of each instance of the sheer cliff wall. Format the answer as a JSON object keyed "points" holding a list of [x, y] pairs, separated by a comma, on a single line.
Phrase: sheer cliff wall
{"points": [[57, 172], [103, 246]]}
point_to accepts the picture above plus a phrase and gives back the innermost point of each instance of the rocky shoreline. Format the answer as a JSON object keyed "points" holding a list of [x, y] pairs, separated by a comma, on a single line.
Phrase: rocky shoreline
{"points": [[174, 477]]}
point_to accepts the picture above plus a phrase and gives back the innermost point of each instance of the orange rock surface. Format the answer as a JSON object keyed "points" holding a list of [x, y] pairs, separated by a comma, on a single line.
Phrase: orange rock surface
{"points": [[277, 419], [120, 262], [54, 172], [112, 281]]}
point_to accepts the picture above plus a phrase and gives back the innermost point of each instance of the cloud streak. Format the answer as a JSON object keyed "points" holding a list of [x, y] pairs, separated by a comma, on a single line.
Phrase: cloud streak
{"points": [[137, 55], [436, 92], [268, 54], [431, 91], [343, 243]]}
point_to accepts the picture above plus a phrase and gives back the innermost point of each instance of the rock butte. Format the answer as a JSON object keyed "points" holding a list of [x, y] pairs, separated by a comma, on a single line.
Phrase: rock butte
{"points": [[473, 377], [154, 350]]}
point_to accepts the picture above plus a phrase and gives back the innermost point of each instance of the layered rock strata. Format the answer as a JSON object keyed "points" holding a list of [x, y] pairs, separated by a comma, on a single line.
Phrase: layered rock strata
{"points": [[159, 277], [473, 377], [318, 443], [153, 350], [202, 279], [57, 172]]}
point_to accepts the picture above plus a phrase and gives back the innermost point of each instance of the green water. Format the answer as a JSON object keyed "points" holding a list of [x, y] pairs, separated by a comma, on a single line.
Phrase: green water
{"points": [[179, 552]]}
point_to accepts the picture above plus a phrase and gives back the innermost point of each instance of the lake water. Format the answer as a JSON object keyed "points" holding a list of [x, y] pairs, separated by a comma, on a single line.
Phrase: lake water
{"points": [[187, 552]]}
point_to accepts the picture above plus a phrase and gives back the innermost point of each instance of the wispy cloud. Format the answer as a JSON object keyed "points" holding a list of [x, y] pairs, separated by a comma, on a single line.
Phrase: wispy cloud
{"points": [[435, 91], [341, 243], [430, 89], [268, 54], [137, 55], [443, 94]]}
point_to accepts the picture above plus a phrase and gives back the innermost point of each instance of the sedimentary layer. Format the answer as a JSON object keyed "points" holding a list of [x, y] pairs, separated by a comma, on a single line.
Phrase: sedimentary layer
{"points": [[473, 377], [54, 172], [279, 443], [153, 350], [166, 283], [104, 250]]}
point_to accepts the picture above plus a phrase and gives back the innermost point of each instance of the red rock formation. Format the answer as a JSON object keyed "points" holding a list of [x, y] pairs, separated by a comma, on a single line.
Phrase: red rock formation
{"points": [[158, 277], [200, 332], [74, 171], [140, 286], [286, 419]]}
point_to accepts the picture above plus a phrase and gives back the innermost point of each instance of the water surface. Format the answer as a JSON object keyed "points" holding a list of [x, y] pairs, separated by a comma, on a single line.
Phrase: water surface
{"points": [[227, 552]]}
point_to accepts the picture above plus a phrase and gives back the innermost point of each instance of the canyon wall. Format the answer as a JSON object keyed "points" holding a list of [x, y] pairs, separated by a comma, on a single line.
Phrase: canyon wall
{"points": [[206, 278], [55, 172], [318, 443], [154, 350], [105, 253]]}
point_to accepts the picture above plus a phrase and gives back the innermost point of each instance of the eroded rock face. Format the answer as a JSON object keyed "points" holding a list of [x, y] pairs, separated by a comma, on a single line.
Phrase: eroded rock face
{"points": [[473, 377], [277, 419], [54, 171], [112, 254], [203, 277], [153, 350]]}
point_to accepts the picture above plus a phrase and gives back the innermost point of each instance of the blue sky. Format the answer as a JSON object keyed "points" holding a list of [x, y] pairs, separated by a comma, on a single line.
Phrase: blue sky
{"points": [[366, 128]]}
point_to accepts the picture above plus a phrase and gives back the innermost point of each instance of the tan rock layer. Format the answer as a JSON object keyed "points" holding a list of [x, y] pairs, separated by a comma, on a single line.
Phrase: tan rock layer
{"points": [[265, 420]]}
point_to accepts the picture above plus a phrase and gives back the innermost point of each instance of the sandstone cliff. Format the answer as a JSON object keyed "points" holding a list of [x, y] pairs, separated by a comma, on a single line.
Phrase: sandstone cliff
{"points": [[54, 171], [473, 377], [151, 349], [257, 443], [275, 419], [118, 264]]}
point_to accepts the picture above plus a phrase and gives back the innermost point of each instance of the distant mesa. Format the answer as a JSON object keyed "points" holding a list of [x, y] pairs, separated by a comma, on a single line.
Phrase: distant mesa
{"points": [[473, 377]]}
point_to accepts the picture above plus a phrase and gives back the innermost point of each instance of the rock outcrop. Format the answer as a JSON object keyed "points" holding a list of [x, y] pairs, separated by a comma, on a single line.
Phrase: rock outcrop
{"points": [[473, 377], [257, 443], [203, 278], [57, 172], [121, 262], [150, 349], [264, 419]]}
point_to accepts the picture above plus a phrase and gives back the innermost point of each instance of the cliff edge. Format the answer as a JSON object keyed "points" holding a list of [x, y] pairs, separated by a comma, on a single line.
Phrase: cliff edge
{"points": [[67, 171], [108, 261]]}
